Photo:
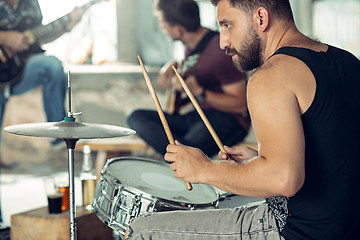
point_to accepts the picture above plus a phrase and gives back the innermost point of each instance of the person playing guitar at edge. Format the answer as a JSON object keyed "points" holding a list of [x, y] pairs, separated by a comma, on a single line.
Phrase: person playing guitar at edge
{"points": [[210, 75], [23, 64]]}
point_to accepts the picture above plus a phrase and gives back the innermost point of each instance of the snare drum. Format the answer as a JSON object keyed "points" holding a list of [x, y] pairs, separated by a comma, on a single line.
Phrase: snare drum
{"points": [[130, 187]]}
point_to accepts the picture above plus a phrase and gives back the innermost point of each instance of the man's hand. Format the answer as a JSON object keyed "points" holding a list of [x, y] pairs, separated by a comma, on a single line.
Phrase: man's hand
{"points": [[75, 15], [14, 41], [166, 75], [193, 85], [188, 163], [238, 154]]}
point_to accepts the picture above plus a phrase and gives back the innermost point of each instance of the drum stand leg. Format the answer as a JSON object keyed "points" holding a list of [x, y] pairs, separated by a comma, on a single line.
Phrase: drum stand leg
{"points": [[70, 143]]}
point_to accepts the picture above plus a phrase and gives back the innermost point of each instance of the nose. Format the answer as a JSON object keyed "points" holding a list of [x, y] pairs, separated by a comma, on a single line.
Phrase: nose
{"points": [[224, 40]]}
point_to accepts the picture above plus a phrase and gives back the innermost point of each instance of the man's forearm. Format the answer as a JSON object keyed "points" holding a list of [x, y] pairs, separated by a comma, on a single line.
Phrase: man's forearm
{"points": [[3, 38]]}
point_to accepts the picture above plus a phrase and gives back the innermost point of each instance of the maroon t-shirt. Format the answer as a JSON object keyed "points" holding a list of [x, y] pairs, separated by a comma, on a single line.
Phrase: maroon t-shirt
{"points": [[214, 70]]}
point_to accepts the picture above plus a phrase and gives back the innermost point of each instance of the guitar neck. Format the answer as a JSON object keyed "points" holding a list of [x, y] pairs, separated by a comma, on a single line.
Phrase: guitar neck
{"points": [[47, 33]]}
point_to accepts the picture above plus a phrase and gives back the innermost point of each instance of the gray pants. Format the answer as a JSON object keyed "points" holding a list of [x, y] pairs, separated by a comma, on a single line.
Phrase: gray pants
{"points": [[251, 221]]}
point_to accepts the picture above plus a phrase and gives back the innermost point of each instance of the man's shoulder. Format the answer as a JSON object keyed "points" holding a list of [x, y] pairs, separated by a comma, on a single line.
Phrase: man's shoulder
{"points": [[279, 70], [273, 66], [280, 64]]}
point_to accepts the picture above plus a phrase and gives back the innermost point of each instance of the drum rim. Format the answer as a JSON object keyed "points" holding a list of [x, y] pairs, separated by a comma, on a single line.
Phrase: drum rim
{"points": [[110, 160]]}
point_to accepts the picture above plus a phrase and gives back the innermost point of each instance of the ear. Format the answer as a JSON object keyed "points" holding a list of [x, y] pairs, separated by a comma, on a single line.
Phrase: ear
{"points": [[179, 30], [261, 17]]}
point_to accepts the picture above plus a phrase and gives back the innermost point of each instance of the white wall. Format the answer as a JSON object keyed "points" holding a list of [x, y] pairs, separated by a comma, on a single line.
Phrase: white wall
{"points": [[94, 38], [338, 23]]}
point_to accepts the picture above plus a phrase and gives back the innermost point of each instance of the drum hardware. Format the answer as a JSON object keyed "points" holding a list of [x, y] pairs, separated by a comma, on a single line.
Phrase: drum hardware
{"points": [[131, 187], [152, 205], [113, 202], [134, 211], [70, 131], [131, 213], [136, 206], [182, 206], [225, 196]]}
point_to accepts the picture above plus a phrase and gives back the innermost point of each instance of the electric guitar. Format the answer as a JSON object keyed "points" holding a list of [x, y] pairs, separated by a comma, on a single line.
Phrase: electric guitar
{"points": [[186, 68], [12, 64]]}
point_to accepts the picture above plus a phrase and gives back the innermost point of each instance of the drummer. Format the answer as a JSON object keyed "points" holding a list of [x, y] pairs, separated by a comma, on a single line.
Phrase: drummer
{"points": [[210, 75], [304, 104]]}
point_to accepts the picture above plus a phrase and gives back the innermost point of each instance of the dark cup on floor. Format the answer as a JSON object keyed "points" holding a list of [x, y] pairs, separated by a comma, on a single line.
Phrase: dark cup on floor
{"points": [[55, 203], [54, 196]]}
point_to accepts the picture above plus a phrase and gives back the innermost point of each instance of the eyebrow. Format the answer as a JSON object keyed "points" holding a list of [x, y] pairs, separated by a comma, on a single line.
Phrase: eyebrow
{"points": [[224, 21]]}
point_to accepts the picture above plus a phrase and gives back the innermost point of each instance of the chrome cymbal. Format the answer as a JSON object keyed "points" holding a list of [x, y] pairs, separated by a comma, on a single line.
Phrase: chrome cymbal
{"points": [[69, 130]]}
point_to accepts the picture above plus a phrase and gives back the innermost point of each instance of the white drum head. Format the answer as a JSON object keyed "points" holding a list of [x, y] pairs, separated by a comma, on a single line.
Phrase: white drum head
{"points": [[158, 180]]}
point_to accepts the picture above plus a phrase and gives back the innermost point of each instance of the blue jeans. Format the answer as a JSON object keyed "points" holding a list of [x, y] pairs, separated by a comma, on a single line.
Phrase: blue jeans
{"points": [[45, 71], [249, 222], [189, 129]]}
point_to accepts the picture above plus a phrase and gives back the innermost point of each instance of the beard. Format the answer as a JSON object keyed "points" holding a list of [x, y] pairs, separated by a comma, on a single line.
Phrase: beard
{"points": [[249, 55]]}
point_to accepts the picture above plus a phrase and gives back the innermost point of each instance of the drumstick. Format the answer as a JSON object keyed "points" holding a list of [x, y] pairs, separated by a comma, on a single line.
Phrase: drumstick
{"points": [[199, 110], [159, 110]]}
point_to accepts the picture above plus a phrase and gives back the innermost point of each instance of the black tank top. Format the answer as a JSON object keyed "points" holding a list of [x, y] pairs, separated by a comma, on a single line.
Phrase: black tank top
{"points": [[326, 207]]}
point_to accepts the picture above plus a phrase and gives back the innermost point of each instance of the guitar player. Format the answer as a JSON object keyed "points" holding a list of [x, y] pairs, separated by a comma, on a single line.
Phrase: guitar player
{"points": [[17, 16], [210, 75]]}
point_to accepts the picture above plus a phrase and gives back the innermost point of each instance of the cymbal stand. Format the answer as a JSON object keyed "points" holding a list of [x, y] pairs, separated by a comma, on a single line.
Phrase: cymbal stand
{"points": [[70, 144]]}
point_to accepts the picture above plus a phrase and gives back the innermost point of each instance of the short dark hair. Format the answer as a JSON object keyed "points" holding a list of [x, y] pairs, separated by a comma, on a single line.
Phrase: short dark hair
{"points": [[280, 8], [179, 12]]}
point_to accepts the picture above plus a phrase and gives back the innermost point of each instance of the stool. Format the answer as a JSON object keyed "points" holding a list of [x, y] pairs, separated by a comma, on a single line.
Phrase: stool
{"points": [[39, 224]]}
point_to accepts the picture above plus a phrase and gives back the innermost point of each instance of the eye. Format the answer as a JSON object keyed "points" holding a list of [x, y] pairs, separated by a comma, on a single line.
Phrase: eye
{"points": [[226, 26]]}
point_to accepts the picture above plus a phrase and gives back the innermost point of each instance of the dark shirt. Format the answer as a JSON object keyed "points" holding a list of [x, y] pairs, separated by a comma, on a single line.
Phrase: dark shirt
{"points": [[326, 207], [215, 70], [25, 14]]}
